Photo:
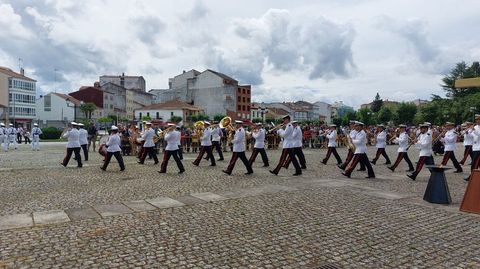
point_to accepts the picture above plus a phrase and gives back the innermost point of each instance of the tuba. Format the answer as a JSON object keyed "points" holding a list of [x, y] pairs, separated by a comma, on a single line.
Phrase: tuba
{"points": [[199, 127], [226, 122]]}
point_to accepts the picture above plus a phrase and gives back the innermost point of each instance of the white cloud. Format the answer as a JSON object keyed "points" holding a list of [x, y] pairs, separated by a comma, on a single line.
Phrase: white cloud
{"points": [[11, 24]]}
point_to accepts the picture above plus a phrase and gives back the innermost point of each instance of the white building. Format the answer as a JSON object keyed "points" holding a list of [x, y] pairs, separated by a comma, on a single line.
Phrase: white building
{"points": [[322, 111], [17, 94], [165, 111], [58, 109]]}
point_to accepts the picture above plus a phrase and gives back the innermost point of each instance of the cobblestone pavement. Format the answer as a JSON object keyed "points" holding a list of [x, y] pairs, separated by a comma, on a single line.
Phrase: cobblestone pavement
{"points": [[306, 222]]}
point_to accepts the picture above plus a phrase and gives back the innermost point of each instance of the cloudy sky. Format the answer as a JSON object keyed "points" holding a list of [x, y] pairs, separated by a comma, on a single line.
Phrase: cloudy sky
{"points": [[288, 50]]}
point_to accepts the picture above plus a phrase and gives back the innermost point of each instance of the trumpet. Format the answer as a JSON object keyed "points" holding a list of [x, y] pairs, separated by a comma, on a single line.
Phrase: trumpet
{"points": [[413, 141], [280, 126]]}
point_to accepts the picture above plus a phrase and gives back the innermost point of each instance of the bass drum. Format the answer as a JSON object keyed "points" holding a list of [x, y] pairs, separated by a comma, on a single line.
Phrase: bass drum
{"points": [[102, 149]]}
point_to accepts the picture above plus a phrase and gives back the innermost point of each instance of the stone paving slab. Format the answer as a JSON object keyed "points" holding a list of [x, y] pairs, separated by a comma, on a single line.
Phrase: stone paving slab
{"points": [[209, 197], [248, 192], [190, 200], [15, 221], [139, 206], [82, 213], [112, 210], [50, 217], [165, 202]]}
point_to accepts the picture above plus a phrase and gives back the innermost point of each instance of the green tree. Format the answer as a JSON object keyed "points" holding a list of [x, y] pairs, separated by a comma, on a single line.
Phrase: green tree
{"points": [[385, 115], [376, 104], [218, 117], [199, 117], [461, 70], [87, 109], [405, 113], [256, 120], [176, 119], [146, 118], [366, 116]]}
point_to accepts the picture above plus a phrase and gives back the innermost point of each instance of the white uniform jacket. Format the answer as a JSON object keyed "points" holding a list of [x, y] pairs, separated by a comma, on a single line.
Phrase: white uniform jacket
{"points": [[287, 135], [205, 140], [73, 138], [2, 134], [332, 139], [113, 143], [11, 134], [172, 141], [83, 136], [468, 137], [179, 138], [476, 138], [297, 137], [36, 132], [424, 144], [259, 139], [381, 140], [239, 140], [216, 134], [360, 142], [148, 138], [449, 140], [402, 141]]}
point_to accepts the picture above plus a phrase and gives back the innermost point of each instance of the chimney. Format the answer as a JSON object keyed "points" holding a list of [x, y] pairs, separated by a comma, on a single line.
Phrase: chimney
{"points": [[96, 84], [22, 71]]}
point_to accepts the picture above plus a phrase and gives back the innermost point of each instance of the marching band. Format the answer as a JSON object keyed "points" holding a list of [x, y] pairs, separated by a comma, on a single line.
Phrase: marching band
{"points": [[292, 139]]}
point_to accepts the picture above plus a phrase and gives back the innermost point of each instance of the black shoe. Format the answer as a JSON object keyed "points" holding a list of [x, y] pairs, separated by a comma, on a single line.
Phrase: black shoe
{"points": [[373, 162], [195, 164], [102, 168], [360, 170], [139, 162], [466, 178], [345, 174], [273, 172], [265, 165], [370, 176], [248, 173], [391, 168], [64, 165], [410, 170], [340, 166], [213, 165], [221, 159], [458, 171], [161, 172], [155, 163], [387, 163], [79, 166], [226, 172], [413, 177], [304, 167], [297, 174], [181, 171], [324, 162], [122, 169]]}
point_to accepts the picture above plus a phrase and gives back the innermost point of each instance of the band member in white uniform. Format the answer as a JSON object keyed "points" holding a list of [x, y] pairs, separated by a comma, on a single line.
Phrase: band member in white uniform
{"points": [[179, 142], [475, 147], [171, 149], [238, 142], [84, 140], [259, 146], [149, 146], [449, 139], [360, 154], [332, 145], [287, 135], [113, 149], [381, 144], [73, 145], [402, 141], [216, 138], [297, 147], [3, 135], [467, 142], [36, 132], [205, 146], [11, 137], [424, 144], [350, 153]]}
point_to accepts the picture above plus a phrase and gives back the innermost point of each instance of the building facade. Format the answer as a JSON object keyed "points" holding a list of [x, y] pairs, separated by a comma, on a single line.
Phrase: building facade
{"points": [[17, 95], [165, 111], [128, 82], [101, 99]]}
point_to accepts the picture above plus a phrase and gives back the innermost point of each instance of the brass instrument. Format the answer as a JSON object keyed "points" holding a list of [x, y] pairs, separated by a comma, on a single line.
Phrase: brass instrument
{"points": [[414, 141], [350, 144], [199, 126], [226, 123], [65, 130], [280, 126]]}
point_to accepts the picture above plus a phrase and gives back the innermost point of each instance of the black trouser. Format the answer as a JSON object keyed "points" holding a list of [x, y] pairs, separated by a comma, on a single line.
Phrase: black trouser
{"points": [[381, 151], [119, 158], [76, 151], [468, 152], [218, 148], [450, 155], [360, 158], [301, 158], [27, 139], [428, 160], [203, 150], [403, 155], [151, 152], [234, 159], [166, 157], [85, 151], [262, 152], [288, 153], [335, 154], [180, 152], [349, 159], [19, 138], [475, 160]]}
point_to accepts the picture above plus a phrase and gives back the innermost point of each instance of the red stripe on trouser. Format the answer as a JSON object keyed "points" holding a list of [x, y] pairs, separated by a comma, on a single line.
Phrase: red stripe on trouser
{"points": [[420, 163], [282, 160], [166, 156], [399, 159], [355, 160], [446, 157], [200, 155], [231, 165], [468, 150], [253, 156], [476, 162], [349, 158], [329, 152]]}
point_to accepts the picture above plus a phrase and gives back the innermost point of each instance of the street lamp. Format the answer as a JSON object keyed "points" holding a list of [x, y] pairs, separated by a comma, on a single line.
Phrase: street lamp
{"points": [[70, 103], [473, 109]]}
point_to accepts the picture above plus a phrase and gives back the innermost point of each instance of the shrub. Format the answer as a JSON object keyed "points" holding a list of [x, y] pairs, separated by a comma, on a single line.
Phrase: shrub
{"points": [[50, 133]]}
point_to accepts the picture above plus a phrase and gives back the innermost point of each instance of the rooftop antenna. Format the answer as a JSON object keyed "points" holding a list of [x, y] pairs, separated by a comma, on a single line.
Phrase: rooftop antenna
{"points": [[20, 63], [55, 80]]}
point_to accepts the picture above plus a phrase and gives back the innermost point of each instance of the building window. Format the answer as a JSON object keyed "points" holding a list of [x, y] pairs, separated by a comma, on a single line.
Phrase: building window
{"points": [[239, 90], [248, 100], [239, 107], [244, 99], [248, 108], [158, 115], [243, 108], [140, 115], [239, 98], [248, 91], [171, 114], [148, 114]]}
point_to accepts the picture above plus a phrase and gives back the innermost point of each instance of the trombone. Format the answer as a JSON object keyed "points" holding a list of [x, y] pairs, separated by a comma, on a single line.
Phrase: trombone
{"points": [[280, 126]]}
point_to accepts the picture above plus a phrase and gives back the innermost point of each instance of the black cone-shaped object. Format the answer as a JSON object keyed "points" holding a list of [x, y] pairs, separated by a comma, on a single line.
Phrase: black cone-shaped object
{"points": [[437, 189]]}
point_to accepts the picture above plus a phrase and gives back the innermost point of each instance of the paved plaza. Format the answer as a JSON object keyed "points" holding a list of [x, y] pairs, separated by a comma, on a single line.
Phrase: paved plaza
{"points": [[56, 217]]}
